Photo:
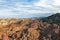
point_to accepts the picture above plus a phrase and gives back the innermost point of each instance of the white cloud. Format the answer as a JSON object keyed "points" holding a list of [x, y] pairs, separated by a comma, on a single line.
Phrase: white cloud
{"points": [[56, 2], [18, 8]]}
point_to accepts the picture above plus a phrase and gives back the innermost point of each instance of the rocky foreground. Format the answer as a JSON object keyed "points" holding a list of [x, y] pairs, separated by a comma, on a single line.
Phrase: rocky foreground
{"points": [[29, 29]]}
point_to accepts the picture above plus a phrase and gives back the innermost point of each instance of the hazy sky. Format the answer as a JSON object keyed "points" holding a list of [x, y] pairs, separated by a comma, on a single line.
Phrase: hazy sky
{"points": [[23, 8]]}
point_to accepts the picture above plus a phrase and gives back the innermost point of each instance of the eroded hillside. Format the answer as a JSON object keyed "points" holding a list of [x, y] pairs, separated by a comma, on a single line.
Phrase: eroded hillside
{"points": [[28, 29]]}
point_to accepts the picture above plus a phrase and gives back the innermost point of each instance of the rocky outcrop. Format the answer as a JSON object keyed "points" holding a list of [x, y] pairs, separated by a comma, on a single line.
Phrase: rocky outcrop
{"points": [[29, 29]]}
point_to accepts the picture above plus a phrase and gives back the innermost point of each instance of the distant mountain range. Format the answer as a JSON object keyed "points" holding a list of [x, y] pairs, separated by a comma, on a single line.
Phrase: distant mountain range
{"points": [[26, 15], [55, 18]]}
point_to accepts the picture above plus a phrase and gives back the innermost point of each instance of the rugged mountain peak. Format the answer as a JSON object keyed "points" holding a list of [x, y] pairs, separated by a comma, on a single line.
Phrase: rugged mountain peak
{"points": [[55, 15], [55, 18]]}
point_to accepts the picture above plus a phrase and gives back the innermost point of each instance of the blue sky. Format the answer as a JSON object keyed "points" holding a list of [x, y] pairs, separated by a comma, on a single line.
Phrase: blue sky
{"points": [[28, 8]]}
